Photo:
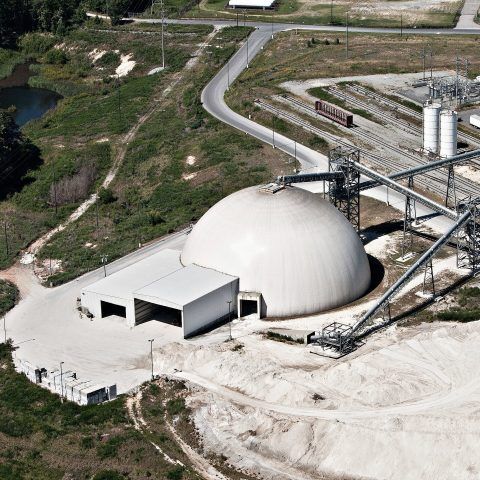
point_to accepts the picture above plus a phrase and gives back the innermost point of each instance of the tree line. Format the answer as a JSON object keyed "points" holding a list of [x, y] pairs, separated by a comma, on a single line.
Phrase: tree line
{"points": [[56, 16]]}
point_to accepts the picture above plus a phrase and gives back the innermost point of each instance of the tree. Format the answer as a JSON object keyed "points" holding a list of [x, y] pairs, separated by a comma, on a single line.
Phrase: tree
{"points": [[17, 155], [15, 19]]}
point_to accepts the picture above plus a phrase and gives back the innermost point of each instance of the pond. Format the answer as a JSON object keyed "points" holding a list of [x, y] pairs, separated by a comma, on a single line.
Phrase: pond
{"points": [[29, 103]]}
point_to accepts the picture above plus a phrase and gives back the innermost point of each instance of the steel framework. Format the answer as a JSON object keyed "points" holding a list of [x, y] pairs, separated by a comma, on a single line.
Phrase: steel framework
{"points": [[468, 238], [344, 193]]}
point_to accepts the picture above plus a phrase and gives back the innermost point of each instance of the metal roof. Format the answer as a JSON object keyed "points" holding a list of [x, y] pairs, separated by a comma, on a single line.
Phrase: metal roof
{"points": [[183, 286], [121, 284], [251, 3]]}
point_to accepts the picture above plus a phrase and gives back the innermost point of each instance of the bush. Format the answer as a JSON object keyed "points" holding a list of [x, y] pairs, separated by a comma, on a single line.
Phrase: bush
{"points": [[86, 443], [56, 56], [175, 474], [9, 296], [36, 43], [176, 406], [108, 59], [105, 196], [108, 475]]}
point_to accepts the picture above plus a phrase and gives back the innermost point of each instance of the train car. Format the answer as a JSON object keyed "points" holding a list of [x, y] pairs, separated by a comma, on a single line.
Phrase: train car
{"points": [[334, 113]]}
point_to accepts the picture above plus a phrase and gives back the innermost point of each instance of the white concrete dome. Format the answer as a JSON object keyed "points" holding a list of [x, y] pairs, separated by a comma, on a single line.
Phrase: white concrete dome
{"points": [[292, 246]]}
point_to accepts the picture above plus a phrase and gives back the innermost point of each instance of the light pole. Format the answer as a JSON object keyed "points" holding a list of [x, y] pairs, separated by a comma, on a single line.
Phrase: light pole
{"points": [[163, 51], [230, 338], [5, 327], [331, 12], [228, 74], [247, 53], [346, 43], [104, 263], [273, 131], [151, 354], [61, 378], [295, 150]]}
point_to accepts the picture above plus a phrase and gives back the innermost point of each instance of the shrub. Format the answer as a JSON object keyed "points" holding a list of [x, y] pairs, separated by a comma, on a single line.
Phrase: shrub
{"points": [[108, 475], [8, 296], [36, 43], [56, 56], [176, 406], [86, 442], [108, 59], [175, 474], [105, 196]]}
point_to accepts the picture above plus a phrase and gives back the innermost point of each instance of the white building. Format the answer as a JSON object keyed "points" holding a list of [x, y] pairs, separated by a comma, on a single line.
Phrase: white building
{"points": [[276, 253], [247, 4], [161, 288]]}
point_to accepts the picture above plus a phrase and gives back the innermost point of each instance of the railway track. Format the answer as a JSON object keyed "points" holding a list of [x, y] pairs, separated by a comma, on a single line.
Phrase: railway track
{"points": [[377, 111], [396, 106], [435, 181]]}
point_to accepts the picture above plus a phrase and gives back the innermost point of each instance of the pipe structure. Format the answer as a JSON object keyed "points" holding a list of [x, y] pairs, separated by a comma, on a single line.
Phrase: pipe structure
{"points": [[309, 177], [426, 257], [428, 167], [382, 179]]}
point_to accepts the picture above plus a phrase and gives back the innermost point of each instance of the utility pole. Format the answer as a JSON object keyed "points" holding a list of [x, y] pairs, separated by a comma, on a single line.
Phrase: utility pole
{"points": [[119, 106], [273, 130], [237, 18], [401, 25], [230, 319], [228, 74], [54, 188], [151, 355], [244, 22], [61, 378], [6, 237], [346, 43], [331, 12], [272, 23], [424, 57], [163, 20], [5, 327], [247, 53], [295, 155], [104, 263]]}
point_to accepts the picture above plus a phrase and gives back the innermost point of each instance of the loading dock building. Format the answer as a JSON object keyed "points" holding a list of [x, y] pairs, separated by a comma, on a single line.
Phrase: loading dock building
{"points": [[252, 4], [160, 288]]}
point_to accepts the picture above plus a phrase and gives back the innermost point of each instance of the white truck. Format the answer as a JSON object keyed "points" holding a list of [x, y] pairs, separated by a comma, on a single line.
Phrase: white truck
{"points": [[475, 120]]}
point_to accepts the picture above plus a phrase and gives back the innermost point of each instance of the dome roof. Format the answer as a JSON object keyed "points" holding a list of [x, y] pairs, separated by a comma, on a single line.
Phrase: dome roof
{"points": [[291, 246]]}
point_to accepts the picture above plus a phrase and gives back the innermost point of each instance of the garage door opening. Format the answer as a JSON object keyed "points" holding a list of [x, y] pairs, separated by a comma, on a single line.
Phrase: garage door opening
{"points": [[109, 309], [248, 307], [146, 311]]}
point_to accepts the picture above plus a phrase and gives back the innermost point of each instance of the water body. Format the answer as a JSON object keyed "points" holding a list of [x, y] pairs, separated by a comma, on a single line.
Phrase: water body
{"points": [[29, 103]]}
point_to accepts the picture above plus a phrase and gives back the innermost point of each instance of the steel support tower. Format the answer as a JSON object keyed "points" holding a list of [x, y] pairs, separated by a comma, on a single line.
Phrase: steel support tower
{"points": [[344, 193], [468, 238]]}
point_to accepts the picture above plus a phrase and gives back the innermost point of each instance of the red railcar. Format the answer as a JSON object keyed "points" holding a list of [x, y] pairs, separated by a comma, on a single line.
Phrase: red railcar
{"points": [[334, 113]]}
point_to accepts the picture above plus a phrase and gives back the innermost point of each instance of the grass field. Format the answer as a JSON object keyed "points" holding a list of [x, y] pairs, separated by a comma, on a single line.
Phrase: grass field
{"points": [[180, 163], [83, 132], [294, 56], [443, 14], [45, 439]]}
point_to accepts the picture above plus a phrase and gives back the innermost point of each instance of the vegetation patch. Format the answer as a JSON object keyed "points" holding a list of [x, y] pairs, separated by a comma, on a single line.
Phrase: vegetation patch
{"points": [[9, 296]]}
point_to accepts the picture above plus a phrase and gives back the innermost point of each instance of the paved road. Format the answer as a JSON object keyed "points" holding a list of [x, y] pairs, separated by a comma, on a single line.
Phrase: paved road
{"points": [[467, 17], [213, 95]]}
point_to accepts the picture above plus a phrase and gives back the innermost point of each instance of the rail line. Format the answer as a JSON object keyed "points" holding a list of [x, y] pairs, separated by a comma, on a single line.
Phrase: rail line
{"points": [[435, 181], [406, 110]]}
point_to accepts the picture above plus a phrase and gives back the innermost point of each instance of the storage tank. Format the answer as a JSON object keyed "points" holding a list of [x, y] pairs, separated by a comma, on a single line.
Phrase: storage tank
{"points": [[448, 134], [431, 119]]}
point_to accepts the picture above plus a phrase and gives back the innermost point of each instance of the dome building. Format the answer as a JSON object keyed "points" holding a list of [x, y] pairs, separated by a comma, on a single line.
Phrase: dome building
{"points": [[293, 252], [271, 251]]}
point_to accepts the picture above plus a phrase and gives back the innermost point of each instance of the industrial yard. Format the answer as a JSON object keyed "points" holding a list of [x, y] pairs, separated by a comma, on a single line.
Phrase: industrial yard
{"points": [[278, 276]]}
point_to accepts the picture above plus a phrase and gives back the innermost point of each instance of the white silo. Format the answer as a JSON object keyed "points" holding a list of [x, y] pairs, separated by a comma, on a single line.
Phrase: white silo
{"points": [[448, 134], [431, 120]]}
